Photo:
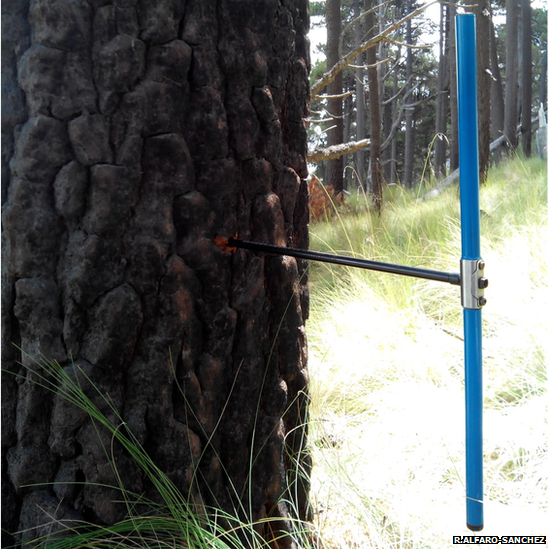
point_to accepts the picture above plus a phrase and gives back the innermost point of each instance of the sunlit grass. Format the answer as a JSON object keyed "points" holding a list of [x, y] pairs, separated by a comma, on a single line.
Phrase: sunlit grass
{"points": [[386, 360]]}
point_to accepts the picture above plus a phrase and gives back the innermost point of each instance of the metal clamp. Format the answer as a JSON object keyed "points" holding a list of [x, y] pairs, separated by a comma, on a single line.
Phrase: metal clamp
{"points": [[473, 283]]}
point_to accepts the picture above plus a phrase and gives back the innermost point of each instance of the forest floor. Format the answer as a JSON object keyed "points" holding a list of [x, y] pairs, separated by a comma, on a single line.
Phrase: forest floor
{"points": [[387, 375]]}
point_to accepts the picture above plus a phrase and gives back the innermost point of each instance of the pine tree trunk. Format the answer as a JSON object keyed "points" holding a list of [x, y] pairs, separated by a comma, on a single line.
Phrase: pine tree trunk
{"points": [[334, 167], [542, 97], [442, 97], [526, 100], [135, 134], [360, 106], [393, 178], [375, 109], [483, 23], [496, 94], [454, 140], [409, 148], [511, 74], [384, 94]]}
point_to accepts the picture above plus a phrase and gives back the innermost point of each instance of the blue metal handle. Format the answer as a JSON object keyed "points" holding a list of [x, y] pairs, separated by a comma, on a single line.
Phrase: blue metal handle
{"points": [[470, 242]]}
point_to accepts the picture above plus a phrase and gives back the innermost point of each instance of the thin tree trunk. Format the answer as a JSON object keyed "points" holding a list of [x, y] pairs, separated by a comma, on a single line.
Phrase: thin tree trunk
{"points": [[511, 74], [442, 97], [526, 114], [384, 93], [375, 110], [386, 153], [482, 11], [409, 148], [360, 107], [137, 136], [334, 167], [454, 140], [543, 82], [394, 144], [496, 94], [387, 124], [348, 110]]}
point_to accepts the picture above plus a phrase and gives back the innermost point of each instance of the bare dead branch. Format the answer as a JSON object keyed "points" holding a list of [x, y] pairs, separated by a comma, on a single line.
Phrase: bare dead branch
{"points": [[381, 62], [394, 66], [391, 99], [336, 151], [329, 76], [317, 120], [404, 45], [338, 96]]}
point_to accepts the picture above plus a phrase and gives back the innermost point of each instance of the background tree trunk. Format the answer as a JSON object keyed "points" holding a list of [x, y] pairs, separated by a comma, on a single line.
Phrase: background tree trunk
{"points": [[393, 178], [496, 94], [543, 82], [409, 132], [442, 96], [511, 74], [454, 141], [526, 100], [135, 134], [383, 20], [360, 106], [482, 11], [375, 109], [334, 167]]}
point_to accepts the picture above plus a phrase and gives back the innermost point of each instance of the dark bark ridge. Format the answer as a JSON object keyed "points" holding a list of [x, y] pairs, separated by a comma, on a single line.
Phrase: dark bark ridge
{"points": [[136, 132]]}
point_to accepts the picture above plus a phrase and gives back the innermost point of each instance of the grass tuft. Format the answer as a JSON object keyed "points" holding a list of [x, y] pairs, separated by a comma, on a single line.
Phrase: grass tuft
{"points": [[176, 522], [386, 360]]}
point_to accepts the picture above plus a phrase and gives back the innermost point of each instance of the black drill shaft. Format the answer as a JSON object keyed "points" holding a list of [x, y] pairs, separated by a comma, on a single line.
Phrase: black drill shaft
{"points": [[416, 272]]}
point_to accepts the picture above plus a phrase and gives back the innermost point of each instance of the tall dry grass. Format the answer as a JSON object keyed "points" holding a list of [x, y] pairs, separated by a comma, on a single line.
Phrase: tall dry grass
{"points": [[386, 359]]}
